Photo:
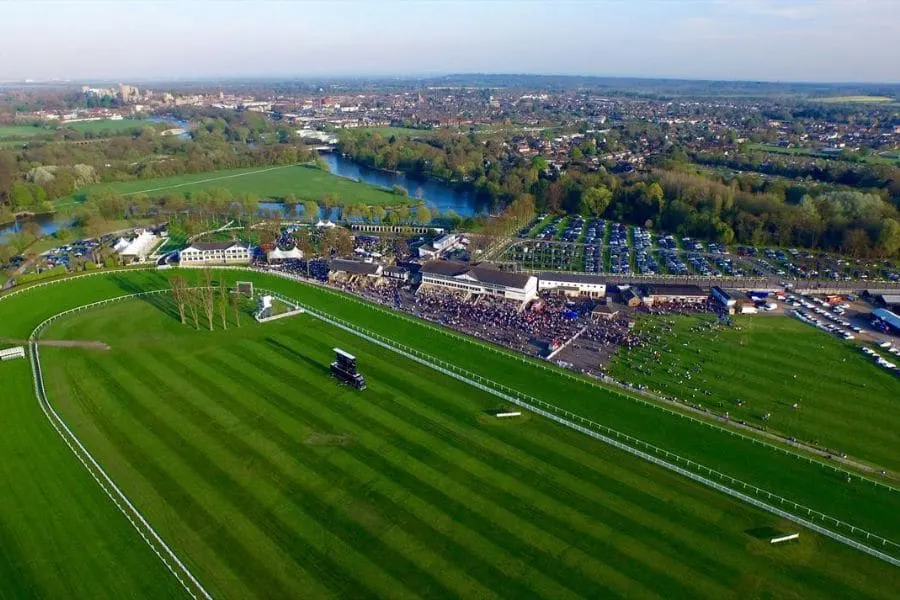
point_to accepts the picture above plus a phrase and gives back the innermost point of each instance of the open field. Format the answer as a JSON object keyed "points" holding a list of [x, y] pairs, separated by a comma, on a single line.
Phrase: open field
{"points": [[846, 402], [23, 131], [810, 483], [812, 152], [273, 480], [855, 99], [60, 535], [104, 125], [400, 132], [304, 181]]}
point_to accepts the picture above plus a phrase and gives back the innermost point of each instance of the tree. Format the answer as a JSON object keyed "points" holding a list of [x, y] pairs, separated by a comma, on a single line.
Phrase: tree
{"points": [[595, 200], [423, 215], [179, 296], [399, 190], [207, 297], [310, 211], [322, 164], [889, 238], [378, 213], [224, 303]]}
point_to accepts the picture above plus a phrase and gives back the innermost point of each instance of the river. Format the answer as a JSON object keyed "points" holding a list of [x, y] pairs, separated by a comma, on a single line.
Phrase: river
{"points": [[438, 196]]}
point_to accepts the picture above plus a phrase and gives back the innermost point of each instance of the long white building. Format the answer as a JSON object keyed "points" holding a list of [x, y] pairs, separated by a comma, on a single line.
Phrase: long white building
{"points": [[573, 284], [481, 279], [208, 253]]}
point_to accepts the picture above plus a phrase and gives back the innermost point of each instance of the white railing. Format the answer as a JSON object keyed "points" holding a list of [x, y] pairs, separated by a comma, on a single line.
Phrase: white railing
{"points": [[632, 445], [615, 438], [162, 550]]}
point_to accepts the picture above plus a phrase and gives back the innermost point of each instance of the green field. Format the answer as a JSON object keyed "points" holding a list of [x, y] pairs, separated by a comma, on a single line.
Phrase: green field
{"points": [[108, 125], [839, 391], [273, 480], [855, 99], [814, 153], [400, 132], [304, 181], [23, 131], [281, 387]]}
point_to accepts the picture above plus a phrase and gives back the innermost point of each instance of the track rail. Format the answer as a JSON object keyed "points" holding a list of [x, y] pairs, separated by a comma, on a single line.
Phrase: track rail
{"points": [[159, 547]]}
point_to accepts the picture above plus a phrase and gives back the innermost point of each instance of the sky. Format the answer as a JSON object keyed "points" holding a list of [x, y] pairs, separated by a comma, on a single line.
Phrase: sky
{"points": [[771, 40]]}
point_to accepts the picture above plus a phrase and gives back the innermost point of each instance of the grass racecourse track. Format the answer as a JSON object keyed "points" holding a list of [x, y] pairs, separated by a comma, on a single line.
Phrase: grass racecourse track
{"points": [[304, 181], [847, 402], [269, 479]]}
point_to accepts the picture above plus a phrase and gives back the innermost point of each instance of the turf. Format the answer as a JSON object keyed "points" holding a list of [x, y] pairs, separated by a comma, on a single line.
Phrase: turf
{"points": [[809, 483], [275, 481], [770, 364], [304, 181], [60, 536]]}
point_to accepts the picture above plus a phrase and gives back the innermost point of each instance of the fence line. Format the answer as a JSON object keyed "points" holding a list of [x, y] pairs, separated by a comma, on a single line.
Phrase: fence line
{"points": [[594, 430], [168, 557], [611, 386], [576, 422]]}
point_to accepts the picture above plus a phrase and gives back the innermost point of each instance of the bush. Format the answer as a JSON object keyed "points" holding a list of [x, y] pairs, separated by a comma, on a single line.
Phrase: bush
{"points": [[47, 274]]}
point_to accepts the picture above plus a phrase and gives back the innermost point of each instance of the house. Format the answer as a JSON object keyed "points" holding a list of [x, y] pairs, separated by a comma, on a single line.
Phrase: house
{"points": [[398, 273], [204, 253], [572, 284], [662, 293], [604, 312], [480, 279]]}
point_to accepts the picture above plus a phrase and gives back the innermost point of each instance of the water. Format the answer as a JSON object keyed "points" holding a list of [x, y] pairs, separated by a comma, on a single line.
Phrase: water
{"points": [[437, 195], [48, 225]]}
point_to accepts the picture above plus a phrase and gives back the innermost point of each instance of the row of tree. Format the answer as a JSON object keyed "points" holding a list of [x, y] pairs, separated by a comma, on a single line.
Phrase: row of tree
{"points": [[204, 300]]}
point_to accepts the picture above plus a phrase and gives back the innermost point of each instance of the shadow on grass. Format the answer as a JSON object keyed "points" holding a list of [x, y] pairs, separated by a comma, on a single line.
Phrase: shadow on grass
{"points": [[316, 365], [763, 533], [162, 302]]}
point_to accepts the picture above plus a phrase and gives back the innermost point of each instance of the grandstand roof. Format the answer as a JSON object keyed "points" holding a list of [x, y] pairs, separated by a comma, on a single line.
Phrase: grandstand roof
{"points": [[215, 245], [354, 266], [449, 268], [667, 289], [571, 277], [497, 277]]}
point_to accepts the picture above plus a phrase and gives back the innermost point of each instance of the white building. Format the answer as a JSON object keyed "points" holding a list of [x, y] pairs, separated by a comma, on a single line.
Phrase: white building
{"points": [[215, 253], [11, 353], [278, 255], [139, 248], [439, 245], [572, 284], [481, 279]]}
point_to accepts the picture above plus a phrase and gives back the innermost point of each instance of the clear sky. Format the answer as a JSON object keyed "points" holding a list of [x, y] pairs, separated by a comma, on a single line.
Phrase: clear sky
{"points": [[793, 40]]}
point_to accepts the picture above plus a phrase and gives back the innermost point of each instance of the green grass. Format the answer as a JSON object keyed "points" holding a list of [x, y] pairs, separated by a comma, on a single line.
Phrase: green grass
{"points": [[108, 125], [769, 363], [60, 536], [304, 181], [23, 131], [810, 483], [400, 132], [855, 99], [274, 481], [814, 153]]}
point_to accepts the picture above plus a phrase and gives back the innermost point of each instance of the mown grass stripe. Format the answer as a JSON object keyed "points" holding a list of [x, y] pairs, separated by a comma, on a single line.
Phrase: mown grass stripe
{"points": [[295, 489], [328, 573]]}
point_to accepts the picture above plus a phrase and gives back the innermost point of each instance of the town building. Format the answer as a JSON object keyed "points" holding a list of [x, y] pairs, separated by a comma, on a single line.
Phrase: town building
{"points": [[480, 279], [206, 253], [572, 284]]}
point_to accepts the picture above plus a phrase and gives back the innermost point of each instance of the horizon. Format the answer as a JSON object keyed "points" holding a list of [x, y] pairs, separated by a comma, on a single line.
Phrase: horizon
{"points": [[792, 41]]}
